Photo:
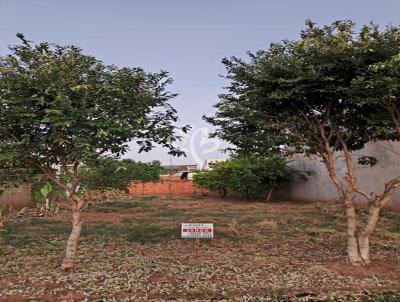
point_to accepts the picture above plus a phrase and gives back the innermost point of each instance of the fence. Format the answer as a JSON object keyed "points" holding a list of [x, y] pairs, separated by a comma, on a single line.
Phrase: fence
{"points": [[166, 186], [319, 186]]}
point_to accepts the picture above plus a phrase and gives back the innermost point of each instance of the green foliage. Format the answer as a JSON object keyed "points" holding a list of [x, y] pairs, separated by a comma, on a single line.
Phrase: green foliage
{"points": [[41, 232], [45, 192], [23, 210], [46, 189], [61, 107], [302, 96], [248, 176], [150, 233], [211, 180], [110, 173], [378, 88], [367, 161], [34, 231]]}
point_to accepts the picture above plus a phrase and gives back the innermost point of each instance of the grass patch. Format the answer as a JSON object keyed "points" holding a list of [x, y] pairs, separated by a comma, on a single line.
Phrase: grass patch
{"points": [[35, 232], [312, 229], [390, 221], [51, 234], [390, 296], [147, 198], [103, 229], [130, 231], [331, 217], [222, 214], [394, 226], [170, 214], [118, 206], [221, 233], [295, 228], [151, 233], [252, 220], [387, 297]]}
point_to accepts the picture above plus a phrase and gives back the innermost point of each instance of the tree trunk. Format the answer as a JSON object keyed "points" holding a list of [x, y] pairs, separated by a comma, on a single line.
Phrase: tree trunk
{"points": [[72, 243], [222, 193], [353, 250], [363, 244], [269, 195], [358, 249], [358, 239], [47, 204]]}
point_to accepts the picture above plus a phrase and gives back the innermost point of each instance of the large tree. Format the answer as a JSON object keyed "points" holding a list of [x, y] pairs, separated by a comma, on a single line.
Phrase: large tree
{"points": [[60, 108], [310, 96]]}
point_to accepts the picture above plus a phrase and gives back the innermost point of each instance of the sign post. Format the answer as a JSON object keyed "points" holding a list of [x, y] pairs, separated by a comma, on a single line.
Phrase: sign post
{"points": [[197, 231]]}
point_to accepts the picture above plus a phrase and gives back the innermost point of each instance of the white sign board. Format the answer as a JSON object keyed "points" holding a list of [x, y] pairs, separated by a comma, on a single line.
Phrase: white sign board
{"points": [[197, 230]]}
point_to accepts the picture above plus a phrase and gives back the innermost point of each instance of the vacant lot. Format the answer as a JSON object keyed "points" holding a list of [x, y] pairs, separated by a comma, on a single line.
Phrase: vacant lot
{"points": [[131, 251]]}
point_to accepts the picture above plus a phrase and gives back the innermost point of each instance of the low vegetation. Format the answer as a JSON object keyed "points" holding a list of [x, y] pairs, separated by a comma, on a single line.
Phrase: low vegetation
{"points": [[248, 177], [131, 251]]}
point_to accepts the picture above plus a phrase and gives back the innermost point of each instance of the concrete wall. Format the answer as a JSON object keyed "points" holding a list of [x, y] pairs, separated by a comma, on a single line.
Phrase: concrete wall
{"points": [[319, 186], [17, 197]]}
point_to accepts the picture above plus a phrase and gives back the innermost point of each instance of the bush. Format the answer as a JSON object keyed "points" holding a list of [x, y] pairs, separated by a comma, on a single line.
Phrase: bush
{"points": [[248, 176], [110, 173]]}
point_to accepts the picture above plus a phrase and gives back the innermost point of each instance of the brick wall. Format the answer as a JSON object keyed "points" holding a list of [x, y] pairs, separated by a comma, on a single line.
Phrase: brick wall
{"points": [[166, 186], [17, 197]]}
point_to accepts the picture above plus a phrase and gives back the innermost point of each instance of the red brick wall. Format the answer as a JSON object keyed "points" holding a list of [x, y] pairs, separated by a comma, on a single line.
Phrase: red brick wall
{"points": [[17, 197], [166, 186]]}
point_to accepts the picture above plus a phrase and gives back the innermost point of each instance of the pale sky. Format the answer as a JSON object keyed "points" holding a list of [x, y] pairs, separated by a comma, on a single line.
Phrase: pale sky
{"points": [[188, 38]]}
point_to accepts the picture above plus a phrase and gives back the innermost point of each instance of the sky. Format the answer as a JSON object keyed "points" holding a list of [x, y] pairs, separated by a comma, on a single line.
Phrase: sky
{"points": [[187, 38]]}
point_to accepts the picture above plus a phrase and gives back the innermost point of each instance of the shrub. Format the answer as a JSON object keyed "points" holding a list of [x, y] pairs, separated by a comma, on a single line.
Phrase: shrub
{"points": [[248, 176], [110, 174]]}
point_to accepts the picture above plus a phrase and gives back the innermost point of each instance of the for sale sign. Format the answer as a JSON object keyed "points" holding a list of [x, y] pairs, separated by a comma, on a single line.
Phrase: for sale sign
{"points": [[197, 230]]}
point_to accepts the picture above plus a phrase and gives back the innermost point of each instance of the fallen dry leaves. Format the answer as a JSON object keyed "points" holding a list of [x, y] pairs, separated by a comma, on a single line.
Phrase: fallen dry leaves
{"points": [[276, 258]]}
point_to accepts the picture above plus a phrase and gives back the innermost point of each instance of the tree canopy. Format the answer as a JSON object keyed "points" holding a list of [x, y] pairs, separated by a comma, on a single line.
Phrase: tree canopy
{"points": [[61, 108], [110, 173], [59, 105], [286, 97], [333, 90]]}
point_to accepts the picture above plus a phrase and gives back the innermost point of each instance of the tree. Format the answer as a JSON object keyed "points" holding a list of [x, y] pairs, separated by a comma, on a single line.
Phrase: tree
{"points": [[111, 173], [248, 176], [211, 180], [379, 88], [304, 97], [60, 108]]}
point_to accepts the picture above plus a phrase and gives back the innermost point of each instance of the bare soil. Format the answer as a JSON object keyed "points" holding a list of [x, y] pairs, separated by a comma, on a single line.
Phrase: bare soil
{"points": [[131, 251]]}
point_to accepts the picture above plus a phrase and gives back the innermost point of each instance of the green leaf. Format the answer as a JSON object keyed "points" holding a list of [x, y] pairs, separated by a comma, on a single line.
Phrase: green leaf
{"points": [[46, 189]]}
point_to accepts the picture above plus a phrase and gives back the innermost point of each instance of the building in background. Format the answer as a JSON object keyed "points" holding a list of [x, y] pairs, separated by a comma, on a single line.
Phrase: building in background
{"points": [[181, 171], [209, 163]]}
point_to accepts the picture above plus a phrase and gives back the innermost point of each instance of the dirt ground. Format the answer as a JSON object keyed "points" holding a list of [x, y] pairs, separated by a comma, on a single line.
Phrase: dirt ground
{"points": [[131, 251]]}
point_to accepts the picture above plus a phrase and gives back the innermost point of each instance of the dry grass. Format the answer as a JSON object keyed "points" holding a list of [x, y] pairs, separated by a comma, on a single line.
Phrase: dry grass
{"points": [[131, 251]]}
